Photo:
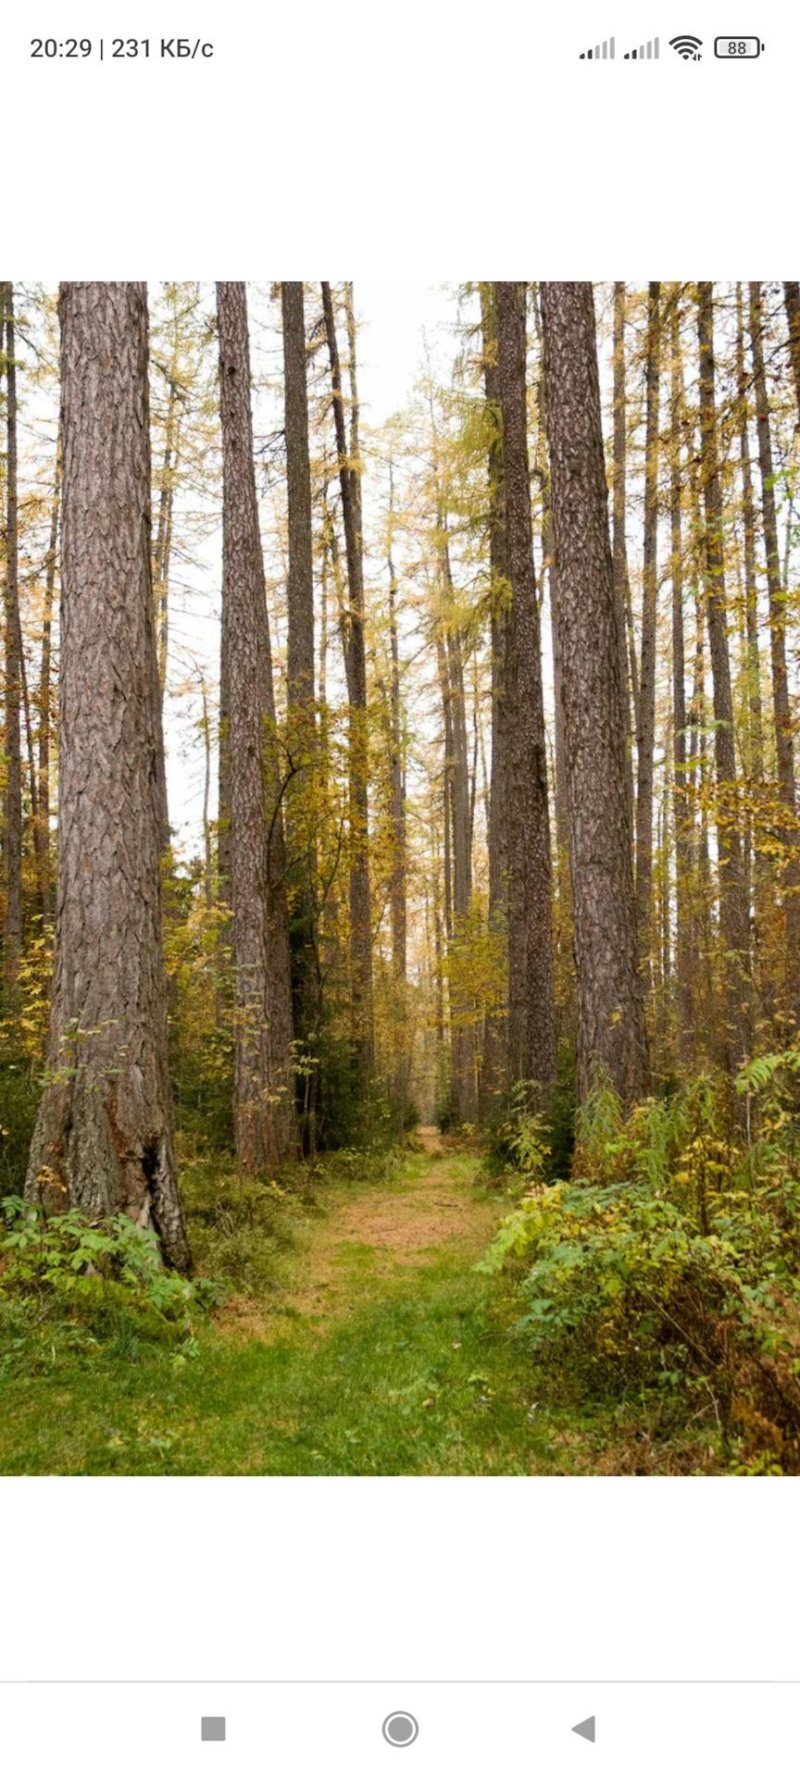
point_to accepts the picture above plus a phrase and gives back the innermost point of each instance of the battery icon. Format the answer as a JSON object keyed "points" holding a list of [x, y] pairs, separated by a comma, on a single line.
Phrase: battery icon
{"points": [[738, 49]]}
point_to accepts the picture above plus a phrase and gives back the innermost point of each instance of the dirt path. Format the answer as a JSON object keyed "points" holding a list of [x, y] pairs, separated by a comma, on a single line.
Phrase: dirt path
{"points": [[373, 1236]]}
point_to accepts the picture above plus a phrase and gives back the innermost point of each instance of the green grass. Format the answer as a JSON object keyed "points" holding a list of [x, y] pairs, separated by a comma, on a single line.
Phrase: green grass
{"points": [[410, 1374], [337, 1353]]}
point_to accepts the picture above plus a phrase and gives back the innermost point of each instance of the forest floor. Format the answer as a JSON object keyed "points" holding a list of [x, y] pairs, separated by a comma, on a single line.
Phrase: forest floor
{"points": [[376, 1349]]}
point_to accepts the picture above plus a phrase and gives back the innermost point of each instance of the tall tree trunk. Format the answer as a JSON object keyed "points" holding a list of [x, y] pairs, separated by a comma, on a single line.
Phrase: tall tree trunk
{"points": [[611, 1030], [461, 1006], [754, 862], [734, 911], [104, 1129], [750, 583], [264, 1120], [300, 587], [646, 726], [791, 297], [781, 706], [622, 585], [495, 1055], [684, 947], [12, 809], [397, 792], [163, 541], [531, 1007], [205, 729], [44, 710], [358, 732], [301, 810]]}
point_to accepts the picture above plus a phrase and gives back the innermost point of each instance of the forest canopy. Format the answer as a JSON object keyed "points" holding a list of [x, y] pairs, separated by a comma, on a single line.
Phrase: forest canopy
{"points": [[373, 768]]}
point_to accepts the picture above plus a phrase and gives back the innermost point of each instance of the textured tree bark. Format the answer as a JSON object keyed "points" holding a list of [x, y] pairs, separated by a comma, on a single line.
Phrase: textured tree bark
{"points": [[781, 705], [791, 297], [611, 1030], [646, 724], [757, 877], [622, 587], [755, 713], [163, 544], [458, 803], [301, 710], [734, 911], [264, 1114], [495, 1051], [684, 948], [300, 588], [103, 1137], [356, 668], [531, 1007], [397, 802], [44, 699], [398, 872], [12, 743]]}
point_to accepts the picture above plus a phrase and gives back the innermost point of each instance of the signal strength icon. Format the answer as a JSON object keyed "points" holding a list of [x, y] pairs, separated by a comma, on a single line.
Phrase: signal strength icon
{"points": [[602, 52], [647, 52], [687, 47]]}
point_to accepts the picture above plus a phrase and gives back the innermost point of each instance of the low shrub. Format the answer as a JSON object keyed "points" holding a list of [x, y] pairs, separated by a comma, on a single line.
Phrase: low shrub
{"points": [[68, 1268], [666, 1268]]}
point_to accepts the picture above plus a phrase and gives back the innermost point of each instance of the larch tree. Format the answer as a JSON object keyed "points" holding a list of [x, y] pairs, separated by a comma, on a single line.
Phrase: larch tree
{"points": [[44, 698], [646, 709], [264, 1110], [398, 880], [358, 735], [12, 637], [680, 792], [495, 1057], [781, 699], [531, 1006], [611, 1031], [622, 586], [301, 709], [103, 1139], [733, 908]]}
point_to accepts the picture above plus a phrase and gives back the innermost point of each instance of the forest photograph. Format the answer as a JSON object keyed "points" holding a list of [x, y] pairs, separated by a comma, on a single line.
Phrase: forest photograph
{"points": [[399, 879]]}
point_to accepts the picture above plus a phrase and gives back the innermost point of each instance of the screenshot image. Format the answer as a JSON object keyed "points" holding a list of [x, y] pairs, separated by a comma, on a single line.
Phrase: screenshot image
{"points": [[399, 889]]}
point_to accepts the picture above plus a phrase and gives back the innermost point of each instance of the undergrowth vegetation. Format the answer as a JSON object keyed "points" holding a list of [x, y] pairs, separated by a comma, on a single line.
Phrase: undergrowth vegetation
{"points": [[662, 1279]]}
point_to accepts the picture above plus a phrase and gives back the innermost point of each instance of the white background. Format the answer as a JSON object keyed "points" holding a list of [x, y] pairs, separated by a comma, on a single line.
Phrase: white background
{"points": [[430, 140]]}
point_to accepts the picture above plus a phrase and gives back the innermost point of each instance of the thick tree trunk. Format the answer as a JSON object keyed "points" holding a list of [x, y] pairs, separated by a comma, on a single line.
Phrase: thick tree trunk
{"points": [[104, 1130], [163, 544], [622, 586], [300, 587], [301, 813], [264, 1119], [781, 705], [734, 911], [646, 725], [358, 735], [684, 948], [495, 1055], [12, 741], [611, 1031], [531, 1009], [755, 714], [397, 791], [757, 876], [44, 700]]}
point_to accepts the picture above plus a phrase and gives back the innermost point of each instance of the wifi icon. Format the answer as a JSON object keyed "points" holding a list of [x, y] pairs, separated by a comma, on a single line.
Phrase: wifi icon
{"points": [[688, 48]]}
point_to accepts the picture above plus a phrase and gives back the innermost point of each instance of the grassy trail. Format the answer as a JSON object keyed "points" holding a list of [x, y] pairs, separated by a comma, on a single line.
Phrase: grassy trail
{"points": [[379, 1354]]}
